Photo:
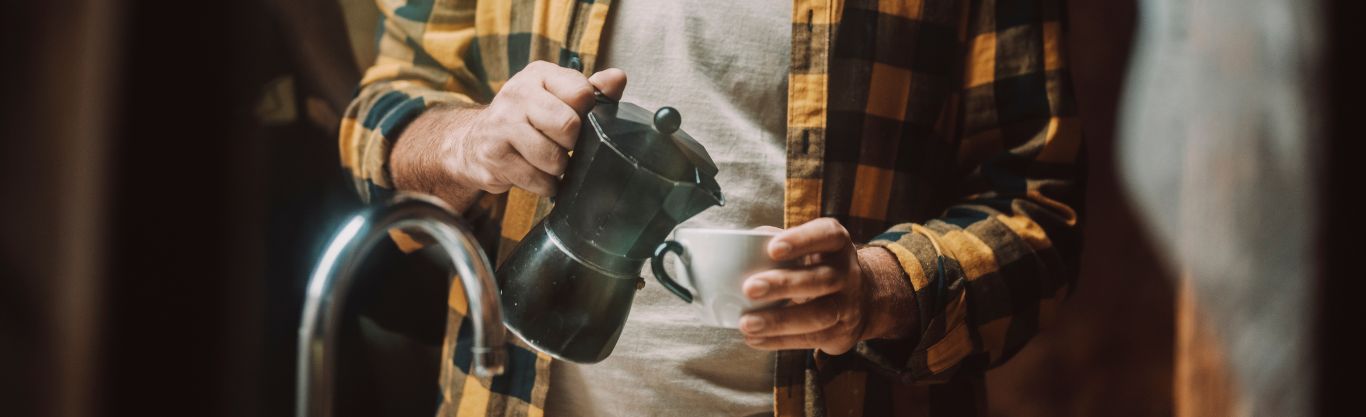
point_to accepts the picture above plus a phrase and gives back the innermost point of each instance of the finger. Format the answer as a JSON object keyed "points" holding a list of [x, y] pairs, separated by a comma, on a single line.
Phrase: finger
{"points": [[554, 118], [834, 341], [542, 152], [795, 319], [816, 236], [517, 171], [768, 229], [793, 283], [611, 82], [569, 86]]}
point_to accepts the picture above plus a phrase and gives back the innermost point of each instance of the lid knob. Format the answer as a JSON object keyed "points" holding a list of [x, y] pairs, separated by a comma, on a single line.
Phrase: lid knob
{"points": [[667, 120]]}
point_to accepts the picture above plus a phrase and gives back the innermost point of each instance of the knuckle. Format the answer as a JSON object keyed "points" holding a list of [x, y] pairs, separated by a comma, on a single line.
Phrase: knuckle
{"points": [[549, 185], [777, 320], [551, 156], [846, 324], [521, 178], [512, 90], [505, 152], [854, 319], [539, 66], [570, 124], [539, 187], [475, 176], [498, 187], [844, 344], [825, 275], [829, 318], [494, 152], [834, 228], [838, 335], [480, 156], [524, 175], [813, 339], [560, 162], [585, 90], [812, 280], [487, 180], [493, 116]]}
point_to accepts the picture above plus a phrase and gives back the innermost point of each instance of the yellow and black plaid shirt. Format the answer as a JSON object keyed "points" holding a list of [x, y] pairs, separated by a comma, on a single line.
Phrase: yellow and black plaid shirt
{"points": [[943, 130]]}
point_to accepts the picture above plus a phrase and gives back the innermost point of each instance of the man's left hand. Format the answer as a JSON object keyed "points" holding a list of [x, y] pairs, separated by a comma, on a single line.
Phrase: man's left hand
{"points": [[839, 296]]}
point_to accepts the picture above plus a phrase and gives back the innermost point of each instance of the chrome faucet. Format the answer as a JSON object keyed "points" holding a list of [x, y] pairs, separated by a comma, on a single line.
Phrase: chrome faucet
{"points": [[331, 282]]}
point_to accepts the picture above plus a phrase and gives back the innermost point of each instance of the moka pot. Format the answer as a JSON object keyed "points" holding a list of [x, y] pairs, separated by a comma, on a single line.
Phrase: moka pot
{"points": [[568, 286]]}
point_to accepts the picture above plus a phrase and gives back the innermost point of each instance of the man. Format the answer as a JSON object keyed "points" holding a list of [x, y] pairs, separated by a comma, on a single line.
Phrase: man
{"points": [[925, 151]]}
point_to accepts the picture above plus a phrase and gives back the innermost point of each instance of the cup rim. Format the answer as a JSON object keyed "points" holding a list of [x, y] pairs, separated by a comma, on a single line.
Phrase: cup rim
{"points": [[722, 231]]}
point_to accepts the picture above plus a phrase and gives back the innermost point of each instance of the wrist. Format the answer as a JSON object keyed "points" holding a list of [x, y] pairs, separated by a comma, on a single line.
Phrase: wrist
{"points": [[891, 299], [415, 159], [418, 161]]}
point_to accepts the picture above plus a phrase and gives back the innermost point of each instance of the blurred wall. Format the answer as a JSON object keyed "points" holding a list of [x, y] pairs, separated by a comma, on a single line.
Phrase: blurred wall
{"points": [[1340, 330], [155, 228], [1220, 141], [1110, 352], [53, 132]]}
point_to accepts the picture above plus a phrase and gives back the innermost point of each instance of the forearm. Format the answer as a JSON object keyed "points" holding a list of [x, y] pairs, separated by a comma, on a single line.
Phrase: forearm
{"points": [[417, 166], [395, 91], [458, 150], [896, 315]]}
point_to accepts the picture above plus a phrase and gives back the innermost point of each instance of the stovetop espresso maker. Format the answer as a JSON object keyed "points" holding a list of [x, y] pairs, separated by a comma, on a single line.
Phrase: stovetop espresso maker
{"points": [[567, 287]]}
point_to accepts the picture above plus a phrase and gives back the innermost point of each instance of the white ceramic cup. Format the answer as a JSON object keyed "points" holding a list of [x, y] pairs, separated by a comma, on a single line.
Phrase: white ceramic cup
{"points": [[714, 264]]}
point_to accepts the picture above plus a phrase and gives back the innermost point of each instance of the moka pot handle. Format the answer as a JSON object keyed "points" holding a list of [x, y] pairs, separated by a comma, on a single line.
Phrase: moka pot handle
{"points": [[662, 273]]}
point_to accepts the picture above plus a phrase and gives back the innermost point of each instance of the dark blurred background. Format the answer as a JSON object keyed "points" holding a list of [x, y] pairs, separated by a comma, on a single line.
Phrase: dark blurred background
{"points": [[169, 173]]}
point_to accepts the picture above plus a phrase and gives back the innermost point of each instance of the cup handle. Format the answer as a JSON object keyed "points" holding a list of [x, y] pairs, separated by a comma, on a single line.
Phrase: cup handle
{"points": [[662, 274]]}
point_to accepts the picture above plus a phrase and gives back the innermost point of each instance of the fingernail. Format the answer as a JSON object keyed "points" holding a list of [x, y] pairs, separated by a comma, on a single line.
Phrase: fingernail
{"points": [[751, 323], [754, 341], [781, 249], [755, 288]]}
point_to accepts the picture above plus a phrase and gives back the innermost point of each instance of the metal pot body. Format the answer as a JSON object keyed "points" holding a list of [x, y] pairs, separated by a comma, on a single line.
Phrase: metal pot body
{"points": [[559, 304]]}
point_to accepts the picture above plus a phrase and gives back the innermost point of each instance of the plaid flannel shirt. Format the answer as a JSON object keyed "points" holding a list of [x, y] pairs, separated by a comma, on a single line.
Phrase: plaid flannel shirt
{"points": [[942, 130]]}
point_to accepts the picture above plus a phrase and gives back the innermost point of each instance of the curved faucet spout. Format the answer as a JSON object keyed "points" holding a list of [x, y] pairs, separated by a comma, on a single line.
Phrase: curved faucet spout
{"points": [[331, 282]]}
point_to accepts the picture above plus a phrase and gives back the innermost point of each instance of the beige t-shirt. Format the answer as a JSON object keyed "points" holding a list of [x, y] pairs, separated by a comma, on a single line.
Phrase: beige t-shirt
{"points": [[723, 64]]}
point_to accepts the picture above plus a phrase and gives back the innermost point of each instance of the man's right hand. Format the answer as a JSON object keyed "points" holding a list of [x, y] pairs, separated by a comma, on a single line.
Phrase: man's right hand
{"points": [[522, 138]]}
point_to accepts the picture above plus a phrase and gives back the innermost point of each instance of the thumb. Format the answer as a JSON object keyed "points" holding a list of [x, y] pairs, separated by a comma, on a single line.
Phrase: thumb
{"points": [[611, 82]]}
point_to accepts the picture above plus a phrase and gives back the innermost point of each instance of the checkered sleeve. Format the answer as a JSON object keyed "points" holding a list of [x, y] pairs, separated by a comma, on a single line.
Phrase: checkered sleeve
{"points": [[988, 272], [425, 59]]}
